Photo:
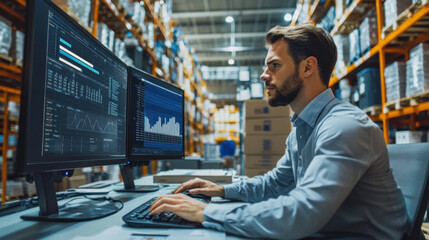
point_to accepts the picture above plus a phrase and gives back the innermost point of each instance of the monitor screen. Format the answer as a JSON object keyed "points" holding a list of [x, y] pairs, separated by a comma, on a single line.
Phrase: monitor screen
{"points": [[156, 118], [74, 96]]}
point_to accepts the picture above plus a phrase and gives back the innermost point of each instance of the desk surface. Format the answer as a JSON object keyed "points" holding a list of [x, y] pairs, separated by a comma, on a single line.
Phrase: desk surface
{"points": [[111, 227]]}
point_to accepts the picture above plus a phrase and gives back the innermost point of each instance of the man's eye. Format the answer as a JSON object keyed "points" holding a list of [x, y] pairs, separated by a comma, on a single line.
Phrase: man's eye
{"points": [[275, 65]]}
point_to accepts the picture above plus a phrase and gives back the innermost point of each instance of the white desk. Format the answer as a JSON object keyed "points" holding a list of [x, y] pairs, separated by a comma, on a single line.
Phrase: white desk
{"points": [[111, 227]]}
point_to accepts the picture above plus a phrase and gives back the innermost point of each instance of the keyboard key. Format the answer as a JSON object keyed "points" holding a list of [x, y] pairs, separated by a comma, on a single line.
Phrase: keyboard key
{"points": [[140, 216]]}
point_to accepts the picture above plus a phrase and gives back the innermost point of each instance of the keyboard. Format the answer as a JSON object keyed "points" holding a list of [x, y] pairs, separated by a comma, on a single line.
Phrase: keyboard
{"points": [[140, 216]]}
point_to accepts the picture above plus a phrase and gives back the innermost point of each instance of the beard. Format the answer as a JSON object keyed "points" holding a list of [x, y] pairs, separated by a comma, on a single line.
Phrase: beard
{"points": [[290, 88]]}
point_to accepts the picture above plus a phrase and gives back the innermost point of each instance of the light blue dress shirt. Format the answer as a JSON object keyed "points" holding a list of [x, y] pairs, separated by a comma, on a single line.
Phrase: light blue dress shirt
{"points": [[334, 177]]}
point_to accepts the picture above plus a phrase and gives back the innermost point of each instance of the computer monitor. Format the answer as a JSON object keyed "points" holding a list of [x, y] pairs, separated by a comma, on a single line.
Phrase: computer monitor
{"points": [[73, 108], [155, 123]]}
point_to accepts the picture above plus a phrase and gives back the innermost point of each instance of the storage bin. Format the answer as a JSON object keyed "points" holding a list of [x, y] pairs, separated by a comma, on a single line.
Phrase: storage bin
{"points": [[369, 88]]}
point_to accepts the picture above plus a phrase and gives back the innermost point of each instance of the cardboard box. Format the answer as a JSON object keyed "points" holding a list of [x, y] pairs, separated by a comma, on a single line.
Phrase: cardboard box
{"points": [[251, 172], [265, 144], [183, 175], [268, 126], [261, 161], [259, 108], [76, 181], [404, 137]]}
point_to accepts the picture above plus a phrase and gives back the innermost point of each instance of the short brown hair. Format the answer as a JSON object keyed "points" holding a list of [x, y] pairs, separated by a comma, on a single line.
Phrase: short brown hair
{"points": [[307, 40]]}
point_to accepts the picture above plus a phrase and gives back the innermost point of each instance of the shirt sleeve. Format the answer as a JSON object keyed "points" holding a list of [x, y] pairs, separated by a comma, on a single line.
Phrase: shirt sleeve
{"points": [[342, 154], [280, 180]]}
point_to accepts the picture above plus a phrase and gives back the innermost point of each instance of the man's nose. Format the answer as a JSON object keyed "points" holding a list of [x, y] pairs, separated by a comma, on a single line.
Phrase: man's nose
{"points": [[265, 76]]}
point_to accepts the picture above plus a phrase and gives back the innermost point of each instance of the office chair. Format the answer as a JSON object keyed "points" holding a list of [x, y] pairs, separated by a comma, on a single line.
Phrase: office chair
{"points": [[410, 165]]}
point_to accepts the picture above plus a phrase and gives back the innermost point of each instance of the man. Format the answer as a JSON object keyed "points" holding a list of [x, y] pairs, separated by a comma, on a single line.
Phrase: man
{"points": [[335, 174]]}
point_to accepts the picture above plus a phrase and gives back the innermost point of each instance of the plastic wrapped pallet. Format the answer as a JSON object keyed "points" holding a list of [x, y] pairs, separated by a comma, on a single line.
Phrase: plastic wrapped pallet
{"points": [[354, 42], [418, 70], [120, 48], [5, 36], [368, 31], [150, 35], [111, 40], [82, 9], [103, 34], [342, 43], [395, 78], [393, 8], [17, 50], [137, 12]]}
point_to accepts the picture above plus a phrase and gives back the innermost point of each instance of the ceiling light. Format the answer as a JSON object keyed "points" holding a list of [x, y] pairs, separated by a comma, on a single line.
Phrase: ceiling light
{"points": [[231, 61], [288, 17], [229, 19]]}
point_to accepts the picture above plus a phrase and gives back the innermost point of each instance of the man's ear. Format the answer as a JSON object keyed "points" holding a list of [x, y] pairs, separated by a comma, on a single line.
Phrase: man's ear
{"points": [[310, 65]]}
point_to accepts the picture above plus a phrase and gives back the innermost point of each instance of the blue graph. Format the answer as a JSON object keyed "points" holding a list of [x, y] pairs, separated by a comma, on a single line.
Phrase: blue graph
{"points": [[163, 123]]}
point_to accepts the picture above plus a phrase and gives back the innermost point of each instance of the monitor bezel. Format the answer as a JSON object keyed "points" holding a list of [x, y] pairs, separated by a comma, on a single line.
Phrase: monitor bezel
{"points": [[51, 163], [134, 159]]}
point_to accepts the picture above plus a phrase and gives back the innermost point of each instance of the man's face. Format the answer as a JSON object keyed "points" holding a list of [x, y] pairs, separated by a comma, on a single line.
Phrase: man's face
{"points": [[281, 75]]}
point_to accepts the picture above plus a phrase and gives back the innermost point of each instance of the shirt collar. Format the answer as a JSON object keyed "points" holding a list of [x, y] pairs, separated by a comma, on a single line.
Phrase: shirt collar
{"points": [[313, 109]]}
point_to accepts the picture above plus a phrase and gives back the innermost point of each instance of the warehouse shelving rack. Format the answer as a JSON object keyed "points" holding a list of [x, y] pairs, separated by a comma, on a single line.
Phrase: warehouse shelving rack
{"points": [[113, 14], [410, 29]]}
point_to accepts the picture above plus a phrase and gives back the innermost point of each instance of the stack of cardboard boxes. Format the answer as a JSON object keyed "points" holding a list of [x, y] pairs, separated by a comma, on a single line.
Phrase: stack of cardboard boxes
{"points": [[266, 130]]}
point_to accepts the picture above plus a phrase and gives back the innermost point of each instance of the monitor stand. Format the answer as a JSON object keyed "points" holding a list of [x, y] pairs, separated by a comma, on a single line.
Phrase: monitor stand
{"points": [[78, 210], [129, 186]]}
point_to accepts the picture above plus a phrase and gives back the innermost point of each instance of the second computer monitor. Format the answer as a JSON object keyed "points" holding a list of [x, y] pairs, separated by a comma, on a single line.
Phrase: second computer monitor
{"points": [[155, 118]]}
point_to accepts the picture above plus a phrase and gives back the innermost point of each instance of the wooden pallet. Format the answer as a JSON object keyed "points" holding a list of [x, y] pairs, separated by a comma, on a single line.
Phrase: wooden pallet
{"points": [[5, 58], [403, 17], [396, 104], [418, 98], [425, 229], [372, 111], [413, 100]]}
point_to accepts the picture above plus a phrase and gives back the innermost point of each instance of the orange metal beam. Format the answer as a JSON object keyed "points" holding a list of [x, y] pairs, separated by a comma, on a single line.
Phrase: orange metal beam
{"points": [[399, 50], [10, 90], [422, 38], [376, 118], [11, 12], [413, 122], [22, 2], [382, 65], [312, 9], [7, 74], [156, 20], [95, 9], [10, 67], [4, 148], [408, 110]]}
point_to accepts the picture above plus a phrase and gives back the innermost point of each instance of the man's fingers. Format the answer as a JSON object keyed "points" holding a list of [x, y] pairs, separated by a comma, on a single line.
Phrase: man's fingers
{"points": [[199, 190], [168, 199], [194, 183], [164, 208]]}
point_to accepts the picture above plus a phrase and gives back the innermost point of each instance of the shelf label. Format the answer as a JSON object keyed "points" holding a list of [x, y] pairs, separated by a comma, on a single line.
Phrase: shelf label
{"points": [[362, 88], [366, 56], [358, 62], [353, 5]]}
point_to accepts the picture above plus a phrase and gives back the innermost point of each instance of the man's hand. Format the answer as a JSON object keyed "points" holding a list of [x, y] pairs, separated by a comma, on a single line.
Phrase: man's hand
{"points": [[184, 206], [200, 186]]}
